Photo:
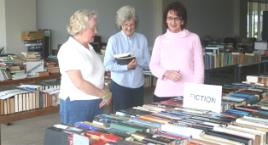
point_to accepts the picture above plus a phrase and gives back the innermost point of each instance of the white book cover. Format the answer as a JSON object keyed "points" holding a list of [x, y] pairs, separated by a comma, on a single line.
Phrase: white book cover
{"points": [[20, 103], [10, 93], [16, 102], [24, 101], [261, 120], [235, 132], [181, 130], [220, 140], [251, 122], [249, 130], [37, 99]]}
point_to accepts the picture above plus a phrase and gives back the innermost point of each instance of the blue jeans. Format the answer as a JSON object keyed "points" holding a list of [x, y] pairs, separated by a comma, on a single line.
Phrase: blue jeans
{"points": [[78, 110]]}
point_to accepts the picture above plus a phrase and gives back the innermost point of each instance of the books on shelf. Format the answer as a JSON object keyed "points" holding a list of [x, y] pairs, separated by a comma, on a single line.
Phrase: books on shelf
{"points": [[217, 59], [26, 97], [16, 100]]}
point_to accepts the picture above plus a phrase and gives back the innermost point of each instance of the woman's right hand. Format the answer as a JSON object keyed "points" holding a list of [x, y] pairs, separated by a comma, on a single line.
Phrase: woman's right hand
{"points": [[173, 75]]}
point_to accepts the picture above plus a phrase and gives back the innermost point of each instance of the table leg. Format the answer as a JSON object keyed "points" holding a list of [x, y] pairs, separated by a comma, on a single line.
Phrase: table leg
{"points": [[0, 135]]}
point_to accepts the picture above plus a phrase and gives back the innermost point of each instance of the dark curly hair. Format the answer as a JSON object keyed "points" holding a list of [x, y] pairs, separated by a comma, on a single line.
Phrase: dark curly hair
{"points": [[179, 9]]}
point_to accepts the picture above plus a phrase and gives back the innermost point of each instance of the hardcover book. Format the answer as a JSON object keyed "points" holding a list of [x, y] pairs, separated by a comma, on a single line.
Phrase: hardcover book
{"points": [[153, 138], [123, 58]]}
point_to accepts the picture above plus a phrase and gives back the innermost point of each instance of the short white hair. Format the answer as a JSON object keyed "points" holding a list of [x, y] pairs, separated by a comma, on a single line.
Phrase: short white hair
{"points": [[124, 14], [79, 21]]}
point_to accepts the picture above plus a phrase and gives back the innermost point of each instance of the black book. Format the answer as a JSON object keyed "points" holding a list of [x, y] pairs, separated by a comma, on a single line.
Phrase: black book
{"points": [[236, 138], [55, 136], [152, 138], [123, 58], [135, 112]]}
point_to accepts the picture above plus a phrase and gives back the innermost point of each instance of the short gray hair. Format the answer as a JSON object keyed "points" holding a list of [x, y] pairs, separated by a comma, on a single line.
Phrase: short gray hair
{"points": [[125, 13], [79, 21]]}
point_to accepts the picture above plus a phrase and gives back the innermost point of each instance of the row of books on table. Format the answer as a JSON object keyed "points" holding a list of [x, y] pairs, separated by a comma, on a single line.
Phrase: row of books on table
{"points": [[165, 125], [243, 121], [168, 122]]}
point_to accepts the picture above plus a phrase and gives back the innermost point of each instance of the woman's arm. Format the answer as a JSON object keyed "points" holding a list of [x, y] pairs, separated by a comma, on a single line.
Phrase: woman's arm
{"points": [[198, 61], [154, 64]]}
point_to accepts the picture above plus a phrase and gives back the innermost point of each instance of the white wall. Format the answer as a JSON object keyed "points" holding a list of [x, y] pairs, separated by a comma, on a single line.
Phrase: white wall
{"points": [[216, 18], [157, 21], [20, 16], [54, 15], [2, 24], [213, 17], [236, 17]]}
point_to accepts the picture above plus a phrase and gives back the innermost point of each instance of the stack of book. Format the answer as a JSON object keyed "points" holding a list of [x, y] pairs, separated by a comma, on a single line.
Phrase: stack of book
{"points": [[261, 80], [52, 67], [237, 94]]}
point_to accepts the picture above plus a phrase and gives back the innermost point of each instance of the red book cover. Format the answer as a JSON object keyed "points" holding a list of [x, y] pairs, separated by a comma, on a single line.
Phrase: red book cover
{"points": [[106, 137]]}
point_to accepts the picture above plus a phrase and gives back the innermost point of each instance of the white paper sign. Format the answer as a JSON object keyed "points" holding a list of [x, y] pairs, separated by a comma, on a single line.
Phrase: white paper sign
{"points": [[80, 140], [200, 96]]}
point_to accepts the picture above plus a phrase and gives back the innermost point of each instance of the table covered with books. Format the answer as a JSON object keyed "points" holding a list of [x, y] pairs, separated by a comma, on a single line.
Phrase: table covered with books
{"points": [[243, 121]]}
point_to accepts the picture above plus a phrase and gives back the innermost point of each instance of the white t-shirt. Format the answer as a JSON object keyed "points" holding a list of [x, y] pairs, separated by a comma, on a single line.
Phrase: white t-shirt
{"points": [[74, 56]]}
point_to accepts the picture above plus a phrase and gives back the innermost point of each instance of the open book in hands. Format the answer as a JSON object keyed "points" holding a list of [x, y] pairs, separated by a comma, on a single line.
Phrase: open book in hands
{"points": [[123, 58]]}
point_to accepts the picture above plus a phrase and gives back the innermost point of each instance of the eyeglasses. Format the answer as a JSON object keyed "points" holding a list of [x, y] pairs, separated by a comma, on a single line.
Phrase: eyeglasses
{"points": [[128, 25], [173, 19]]}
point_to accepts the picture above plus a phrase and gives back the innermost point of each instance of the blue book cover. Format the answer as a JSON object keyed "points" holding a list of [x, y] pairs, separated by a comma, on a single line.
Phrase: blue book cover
{"points": [[238, 112], [250, 98]]}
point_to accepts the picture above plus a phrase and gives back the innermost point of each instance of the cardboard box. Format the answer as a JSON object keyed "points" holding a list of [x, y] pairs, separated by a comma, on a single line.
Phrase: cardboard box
{"points": [[32, 35]]}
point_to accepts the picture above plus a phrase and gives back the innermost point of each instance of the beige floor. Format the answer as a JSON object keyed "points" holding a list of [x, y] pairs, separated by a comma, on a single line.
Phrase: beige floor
{"points": [[31, 131]]}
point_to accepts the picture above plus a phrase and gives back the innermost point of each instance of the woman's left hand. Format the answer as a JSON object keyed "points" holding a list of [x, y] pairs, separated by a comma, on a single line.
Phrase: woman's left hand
{"points": [[106, 100], [104, 103], [173, 75]]}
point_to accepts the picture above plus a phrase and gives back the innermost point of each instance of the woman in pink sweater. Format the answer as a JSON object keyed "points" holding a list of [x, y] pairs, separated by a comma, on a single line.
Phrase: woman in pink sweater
{"points": [[177, 55]]}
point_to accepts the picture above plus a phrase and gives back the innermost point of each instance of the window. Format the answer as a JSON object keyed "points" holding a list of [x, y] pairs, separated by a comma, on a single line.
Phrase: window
{"points": [[254, 18]]}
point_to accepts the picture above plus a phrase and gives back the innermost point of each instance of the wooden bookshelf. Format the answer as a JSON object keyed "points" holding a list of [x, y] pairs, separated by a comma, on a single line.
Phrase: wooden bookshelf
{"points": [[4, 119], [27, 114], [28, 80], [31, 113]]}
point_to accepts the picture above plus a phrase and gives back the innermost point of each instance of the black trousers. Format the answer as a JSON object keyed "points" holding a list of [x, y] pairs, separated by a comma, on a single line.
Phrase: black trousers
{"points": [[124, 97]]}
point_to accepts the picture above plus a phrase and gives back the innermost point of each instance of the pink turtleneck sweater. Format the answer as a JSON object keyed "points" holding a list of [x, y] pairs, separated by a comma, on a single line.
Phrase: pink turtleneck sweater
{"points": [[180, 51]]}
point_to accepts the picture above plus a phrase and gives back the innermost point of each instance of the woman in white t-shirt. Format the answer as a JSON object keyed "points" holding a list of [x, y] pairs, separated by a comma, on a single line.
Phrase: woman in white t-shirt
{"points": [[82, 72]]}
